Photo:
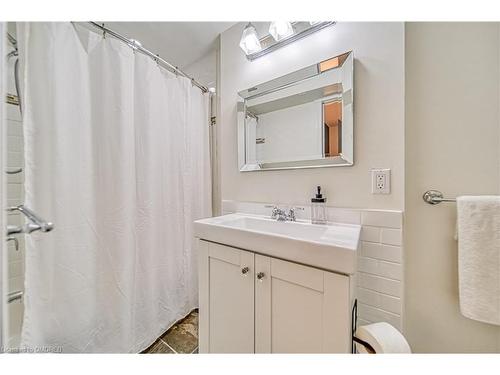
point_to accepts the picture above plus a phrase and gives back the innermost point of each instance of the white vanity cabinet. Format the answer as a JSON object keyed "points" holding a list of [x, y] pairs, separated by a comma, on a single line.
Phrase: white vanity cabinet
{"points": [[251, 303]]}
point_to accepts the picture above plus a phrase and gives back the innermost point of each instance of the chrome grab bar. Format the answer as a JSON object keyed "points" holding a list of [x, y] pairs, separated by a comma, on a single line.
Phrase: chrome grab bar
{"points": [[14, 296], [36, 222]]}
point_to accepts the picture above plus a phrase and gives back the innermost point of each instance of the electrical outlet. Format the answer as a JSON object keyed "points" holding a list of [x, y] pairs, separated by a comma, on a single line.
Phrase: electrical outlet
{"points": [[381, 181]]}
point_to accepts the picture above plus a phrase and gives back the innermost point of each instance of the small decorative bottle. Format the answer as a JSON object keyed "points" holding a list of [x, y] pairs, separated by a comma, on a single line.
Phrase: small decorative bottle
{"points": [[318, 208]]}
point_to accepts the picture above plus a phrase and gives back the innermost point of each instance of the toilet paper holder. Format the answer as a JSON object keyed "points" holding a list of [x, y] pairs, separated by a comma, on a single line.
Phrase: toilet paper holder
{"points": [[354, 339]]}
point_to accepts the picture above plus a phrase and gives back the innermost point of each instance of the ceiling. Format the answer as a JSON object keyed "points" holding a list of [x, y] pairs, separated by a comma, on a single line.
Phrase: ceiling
{"points": [[180, 43]]}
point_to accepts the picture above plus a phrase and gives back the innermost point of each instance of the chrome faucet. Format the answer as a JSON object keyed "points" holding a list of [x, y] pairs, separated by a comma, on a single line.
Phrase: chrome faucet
{"points": [[278, 214], [281, 215]]}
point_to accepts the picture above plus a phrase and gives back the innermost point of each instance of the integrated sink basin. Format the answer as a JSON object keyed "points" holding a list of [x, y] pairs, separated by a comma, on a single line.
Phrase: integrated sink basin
{"points": [[331, 247]]}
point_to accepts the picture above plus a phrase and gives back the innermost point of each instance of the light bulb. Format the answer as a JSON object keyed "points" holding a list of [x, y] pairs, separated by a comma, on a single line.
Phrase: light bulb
{"points": [[249, 41], [312, 23], [280, 30]]}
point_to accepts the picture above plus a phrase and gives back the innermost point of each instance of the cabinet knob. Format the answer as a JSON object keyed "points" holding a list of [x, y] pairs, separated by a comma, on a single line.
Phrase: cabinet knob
{"points": [[245, 270], [260, 276]]}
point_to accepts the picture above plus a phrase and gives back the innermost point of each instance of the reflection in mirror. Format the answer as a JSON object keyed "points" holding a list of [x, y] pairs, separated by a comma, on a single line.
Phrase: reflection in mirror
{"points": [[332, 121], [300, 120]]}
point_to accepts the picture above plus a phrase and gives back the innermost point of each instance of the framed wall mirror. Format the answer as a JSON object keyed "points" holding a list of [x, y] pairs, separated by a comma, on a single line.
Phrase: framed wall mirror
{"points": [[301, 120]]}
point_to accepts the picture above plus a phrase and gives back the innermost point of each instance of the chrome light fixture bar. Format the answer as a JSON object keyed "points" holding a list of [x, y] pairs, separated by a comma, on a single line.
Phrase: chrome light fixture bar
{"points": [[280, 30], [301, 30]]}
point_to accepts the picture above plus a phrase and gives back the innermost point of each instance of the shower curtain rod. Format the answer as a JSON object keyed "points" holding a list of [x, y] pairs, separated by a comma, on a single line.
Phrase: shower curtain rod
{"points": [[134, 44], [137, 46]]}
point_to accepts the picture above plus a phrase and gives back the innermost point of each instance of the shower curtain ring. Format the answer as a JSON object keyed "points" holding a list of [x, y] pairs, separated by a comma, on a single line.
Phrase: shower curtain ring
{"points": [[103, 31], [157, 59]]}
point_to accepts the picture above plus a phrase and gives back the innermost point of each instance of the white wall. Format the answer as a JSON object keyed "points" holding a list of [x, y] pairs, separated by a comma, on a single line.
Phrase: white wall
{"points": [[378, 123], [204, 70], [281, 130], [453, 145]]}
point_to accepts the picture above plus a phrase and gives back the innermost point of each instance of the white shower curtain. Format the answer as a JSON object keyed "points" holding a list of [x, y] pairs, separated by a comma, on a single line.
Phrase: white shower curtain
{"points": [[117, 156]]}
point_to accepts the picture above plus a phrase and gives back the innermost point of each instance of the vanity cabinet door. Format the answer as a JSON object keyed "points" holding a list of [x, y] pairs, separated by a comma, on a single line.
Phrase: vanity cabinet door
{"points": [[226, 299], [300, 309]]}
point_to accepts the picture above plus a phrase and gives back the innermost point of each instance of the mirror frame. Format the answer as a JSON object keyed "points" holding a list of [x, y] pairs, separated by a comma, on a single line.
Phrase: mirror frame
{"points": [[291, 79]]}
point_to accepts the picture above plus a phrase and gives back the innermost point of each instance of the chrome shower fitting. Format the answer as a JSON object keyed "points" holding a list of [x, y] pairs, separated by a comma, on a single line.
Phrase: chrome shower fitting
{"points": [[35, 222]]}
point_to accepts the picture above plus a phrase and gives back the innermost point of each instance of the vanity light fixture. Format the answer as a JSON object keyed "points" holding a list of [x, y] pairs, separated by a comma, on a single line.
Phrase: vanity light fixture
{"points": [[281, 34], [280, 30], [249, 41]]}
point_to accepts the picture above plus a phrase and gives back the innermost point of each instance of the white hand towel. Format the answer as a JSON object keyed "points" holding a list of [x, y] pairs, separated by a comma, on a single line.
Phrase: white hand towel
{"points": [[479, 257], [383, 338]]}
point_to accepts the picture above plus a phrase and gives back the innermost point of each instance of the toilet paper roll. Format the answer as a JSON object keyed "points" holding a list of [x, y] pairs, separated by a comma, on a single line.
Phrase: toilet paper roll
{"points": [[383, 337]]}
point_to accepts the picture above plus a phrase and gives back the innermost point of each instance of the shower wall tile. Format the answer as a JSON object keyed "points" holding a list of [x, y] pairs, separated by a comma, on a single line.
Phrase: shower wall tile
{"points": [[381, 218], [15, 268], [16, 283], [15, 128], [15, 142], [15, 196], [380, 257], [14, 159], [13, 113]]}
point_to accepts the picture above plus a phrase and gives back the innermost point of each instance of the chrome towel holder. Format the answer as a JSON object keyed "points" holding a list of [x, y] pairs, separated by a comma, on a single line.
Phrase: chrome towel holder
{"points": [[435, 197]]}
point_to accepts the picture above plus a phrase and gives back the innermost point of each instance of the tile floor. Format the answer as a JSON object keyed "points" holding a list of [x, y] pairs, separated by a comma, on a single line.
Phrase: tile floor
{"points": [[181, 338]]}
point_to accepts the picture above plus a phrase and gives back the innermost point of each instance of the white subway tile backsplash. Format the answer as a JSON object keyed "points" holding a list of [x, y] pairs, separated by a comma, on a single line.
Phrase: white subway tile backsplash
{"points": [[341, 215], [368, 297], [380, 301], [391, 253], [390, 270], [371, 249], [380, 251], [367, 265], [374, 314], [388, 219], [380, 268], [371, 234], [380, 272], [379, 284], [391, 236], [390, 303], [363, 322]]}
